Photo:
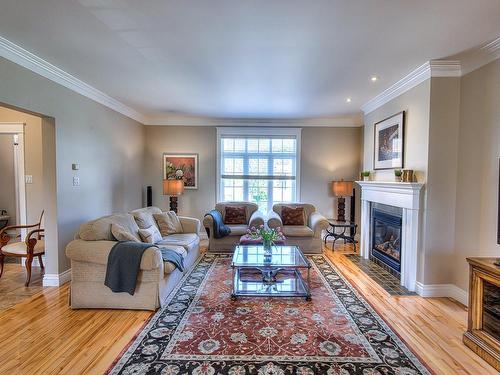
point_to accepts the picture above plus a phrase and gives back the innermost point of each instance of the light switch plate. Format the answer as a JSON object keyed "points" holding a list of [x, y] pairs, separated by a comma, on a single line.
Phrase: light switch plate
{"points": [[76, 181], [28, 179]]}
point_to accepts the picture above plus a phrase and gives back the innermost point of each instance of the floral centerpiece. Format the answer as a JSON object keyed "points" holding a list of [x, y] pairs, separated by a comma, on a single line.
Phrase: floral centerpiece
{"points": [[268, 235]]}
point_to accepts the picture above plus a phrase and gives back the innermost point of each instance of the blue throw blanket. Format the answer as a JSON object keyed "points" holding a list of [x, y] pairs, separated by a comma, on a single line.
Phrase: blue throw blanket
{"points": [[124, 262], [220, 230]]}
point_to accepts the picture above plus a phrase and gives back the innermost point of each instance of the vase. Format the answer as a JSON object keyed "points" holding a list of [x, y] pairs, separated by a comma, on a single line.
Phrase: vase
{"points": [[268, 250]]}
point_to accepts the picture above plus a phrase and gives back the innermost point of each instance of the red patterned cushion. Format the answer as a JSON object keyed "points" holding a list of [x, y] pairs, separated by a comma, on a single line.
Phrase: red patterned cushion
{"points": [[292, 216], [235, 215]]}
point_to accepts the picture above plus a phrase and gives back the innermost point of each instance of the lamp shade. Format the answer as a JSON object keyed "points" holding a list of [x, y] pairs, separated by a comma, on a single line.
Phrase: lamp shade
{"points": [[173, 187], [342, 188]]}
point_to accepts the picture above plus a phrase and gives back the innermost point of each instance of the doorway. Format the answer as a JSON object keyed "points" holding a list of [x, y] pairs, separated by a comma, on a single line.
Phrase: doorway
{"points": [[12, 192]]}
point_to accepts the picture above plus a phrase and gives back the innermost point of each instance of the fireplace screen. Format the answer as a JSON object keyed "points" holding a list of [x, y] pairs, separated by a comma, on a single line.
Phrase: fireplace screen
{"points": [[386, 240]]}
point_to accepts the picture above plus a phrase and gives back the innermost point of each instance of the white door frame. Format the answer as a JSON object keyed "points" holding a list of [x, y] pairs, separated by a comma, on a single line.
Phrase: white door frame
{"points": [[17, 129]]}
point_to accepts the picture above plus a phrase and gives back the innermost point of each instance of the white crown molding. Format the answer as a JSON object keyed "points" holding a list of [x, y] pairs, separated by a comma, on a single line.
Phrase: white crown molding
{"points": [[355, 120], [443, 290], [434, 68], [54, 279], [493, 47], [28, 60]]}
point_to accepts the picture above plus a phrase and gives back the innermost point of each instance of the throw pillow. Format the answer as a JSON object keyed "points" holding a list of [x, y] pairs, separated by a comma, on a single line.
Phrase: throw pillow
{"points": [[235, 215], [150, 235], [168, 222], [121, 234], [292, 216]]}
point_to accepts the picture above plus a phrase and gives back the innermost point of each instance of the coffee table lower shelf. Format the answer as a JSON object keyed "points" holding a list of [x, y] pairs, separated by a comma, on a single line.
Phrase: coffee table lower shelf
{"points": [[269, 282]]}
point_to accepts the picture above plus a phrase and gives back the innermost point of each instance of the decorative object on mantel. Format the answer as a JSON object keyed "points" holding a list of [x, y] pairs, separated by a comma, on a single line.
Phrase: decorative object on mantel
{"points": [[397, 175], [181, 166], [174, 188], [389, 142], [407, 175], [341, 189], [365, 175], [483, 326]]}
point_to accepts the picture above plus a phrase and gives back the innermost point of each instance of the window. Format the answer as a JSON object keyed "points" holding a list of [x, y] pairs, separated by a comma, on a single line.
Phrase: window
{"points": [[258, 166]]}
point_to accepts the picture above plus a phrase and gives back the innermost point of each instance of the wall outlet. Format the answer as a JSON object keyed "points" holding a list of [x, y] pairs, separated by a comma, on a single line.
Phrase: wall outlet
{"points": [[76, 181], [28, 179]]}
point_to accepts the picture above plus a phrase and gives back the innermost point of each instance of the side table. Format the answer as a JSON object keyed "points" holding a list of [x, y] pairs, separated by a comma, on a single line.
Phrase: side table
{"points": [[339, 231]]}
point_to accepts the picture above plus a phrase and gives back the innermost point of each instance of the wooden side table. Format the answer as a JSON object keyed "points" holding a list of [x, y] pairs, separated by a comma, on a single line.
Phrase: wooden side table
{"points": [[338, 230]]}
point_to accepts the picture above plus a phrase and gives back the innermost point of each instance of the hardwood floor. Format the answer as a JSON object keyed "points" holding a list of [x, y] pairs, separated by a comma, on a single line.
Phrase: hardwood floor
{"points": [[12, 289], [42, 335]]}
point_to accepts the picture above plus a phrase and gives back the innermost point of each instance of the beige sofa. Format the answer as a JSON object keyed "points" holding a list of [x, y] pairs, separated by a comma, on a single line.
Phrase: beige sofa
{"points": [[89, 254], [226, 244], [307, 237]]}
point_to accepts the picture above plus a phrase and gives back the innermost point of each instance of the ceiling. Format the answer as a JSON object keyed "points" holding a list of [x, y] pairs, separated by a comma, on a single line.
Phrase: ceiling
{"points": [[271, 59]]}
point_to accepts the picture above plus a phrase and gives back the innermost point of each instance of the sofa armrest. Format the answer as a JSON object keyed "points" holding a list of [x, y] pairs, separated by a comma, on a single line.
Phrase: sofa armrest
{"points": [[317, 223], [257, 219], [190, 224], [274, 220], [208, 224], [97, 252]]}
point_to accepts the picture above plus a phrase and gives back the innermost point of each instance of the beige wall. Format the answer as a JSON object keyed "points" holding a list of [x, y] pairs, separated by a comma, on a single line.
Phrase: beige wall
{"points": [[7, 176], [439, 239], [183, 139], [416, 104], [478, 158], [327, 154], [108, 146], [32, 159]]}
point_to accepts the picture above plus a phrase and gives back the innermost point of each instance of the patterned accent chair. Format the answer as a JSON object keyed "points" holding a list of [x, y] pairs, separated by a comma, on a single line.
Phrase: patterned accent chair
{"points": [[306, 236], [226, 244]]}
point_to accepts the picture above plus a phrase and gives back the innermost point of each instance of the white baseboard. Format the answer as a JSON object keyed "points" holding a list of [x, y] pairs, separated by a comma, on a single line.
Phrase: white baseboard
{"points": [[54, 279], [443, 290]]}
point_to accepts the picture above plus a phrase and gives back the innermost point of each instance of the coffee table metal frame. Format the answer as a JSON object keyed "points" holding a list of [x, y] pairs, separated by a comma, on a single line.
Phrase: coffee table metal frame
{"points": [[269, 272]]}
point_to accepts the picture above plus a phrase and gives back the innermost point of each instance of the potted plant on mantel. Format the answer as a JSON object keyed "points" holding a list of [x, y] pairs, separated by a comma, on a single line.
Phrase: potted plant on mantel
{"points": [[397, 175], [365, 175]]}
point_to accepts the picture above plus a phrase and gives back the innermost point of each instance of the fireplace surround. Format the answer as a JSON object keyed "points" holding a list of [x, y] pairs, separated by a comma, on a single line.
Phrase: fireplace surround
{"points": [[406, 196]]}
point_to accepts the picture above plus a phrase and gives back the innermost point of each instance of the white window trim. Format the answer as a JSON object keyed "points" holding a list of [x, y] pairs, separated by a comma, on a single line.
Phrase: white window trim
{"points": [[258, 131]]}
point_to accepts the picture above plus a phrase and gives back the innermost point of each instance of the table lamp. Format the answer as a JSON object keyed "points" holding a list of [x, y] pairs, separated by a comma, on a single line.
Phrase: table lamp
{"points": [[341, 189], [174, 188]]}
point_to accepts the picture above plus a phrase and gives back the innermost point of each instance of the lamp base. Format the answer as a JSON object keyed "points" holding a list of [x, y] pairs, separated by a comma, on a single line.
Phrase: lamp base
{"points": [[341, 209], [173, 203]]}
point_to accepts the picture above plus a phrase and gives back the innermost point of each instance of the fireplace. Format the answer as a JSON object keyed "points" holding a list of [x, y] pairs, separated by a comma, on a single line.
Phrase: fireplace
{"points": [[386, 229]]}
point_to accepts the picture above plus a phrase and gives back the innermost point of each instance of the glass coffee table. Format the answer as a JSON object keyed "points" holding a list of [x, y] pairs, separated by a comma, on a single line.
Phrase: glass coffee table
{"points": [[256, 274]]}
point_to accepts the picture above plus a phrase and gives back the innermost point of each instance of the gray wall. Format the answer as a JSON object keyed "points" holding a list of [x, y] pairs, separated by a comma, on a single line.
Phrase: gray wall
{"points": [[108, 146], [326, 153], [478, 159]]}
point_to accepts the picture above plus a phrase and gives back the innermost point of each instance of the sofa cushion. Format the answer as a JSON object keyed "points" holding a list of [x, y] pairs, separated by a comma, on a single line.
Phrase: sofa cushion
{"points": [[308, 209], [186, 240], [297, 231], [235, 215], [150, 235], [100, 229], [249, 207], [144, 216], [292, 215], [169, 267], [238, 230], [121, 234], [168, 223]]}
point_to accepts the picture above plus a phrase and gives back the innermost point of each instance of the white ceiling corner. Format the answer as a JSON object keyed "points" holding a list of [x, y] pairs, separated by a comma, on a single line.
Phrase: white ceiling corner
{"points": [[30, 61]]}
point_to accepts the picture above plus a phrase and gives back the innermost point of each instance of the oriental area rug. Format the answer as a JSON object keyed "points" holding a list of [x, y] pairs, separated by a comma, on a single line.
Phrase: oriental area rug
{"points": [[201, 331]]}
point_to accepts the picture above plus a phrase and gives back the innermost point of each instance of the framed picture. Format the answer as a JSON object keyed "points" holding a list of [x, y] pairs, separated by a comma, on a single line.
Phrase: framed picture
{"points": [[183, 166], [389, 142]]}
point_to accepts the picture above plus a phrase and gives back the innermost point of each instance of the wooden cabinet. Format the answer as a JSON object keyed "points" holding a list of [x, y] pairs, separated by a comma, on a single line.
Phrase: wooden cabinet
{"points": [[483, 328]]}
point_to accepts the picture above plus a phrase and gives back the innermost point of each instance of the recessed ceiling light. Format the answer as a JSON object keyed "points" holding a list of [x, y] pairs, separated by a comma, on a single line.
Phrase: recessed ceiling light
{"points": [[348, 100], [374, 78]]}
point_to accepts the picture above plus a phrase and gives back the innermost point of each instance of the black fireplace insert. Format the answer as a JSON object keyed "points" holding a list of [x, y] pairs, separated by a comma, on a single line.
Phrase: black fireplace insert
{"points": [[386, 239]]}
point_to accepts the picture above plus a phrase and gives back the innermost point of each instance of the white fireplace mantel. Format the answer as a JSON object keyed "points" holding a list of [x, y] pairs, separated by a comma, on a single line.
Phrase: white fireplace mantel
{"points": [[398, 194]]}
